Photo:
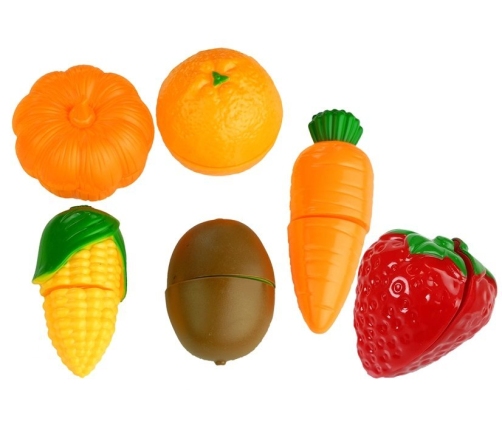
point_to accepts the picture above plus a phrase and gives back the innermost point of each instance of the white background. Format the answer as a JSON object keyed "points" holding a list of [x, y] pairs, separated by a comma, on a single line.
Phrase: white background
{"points": [[424, 80]]}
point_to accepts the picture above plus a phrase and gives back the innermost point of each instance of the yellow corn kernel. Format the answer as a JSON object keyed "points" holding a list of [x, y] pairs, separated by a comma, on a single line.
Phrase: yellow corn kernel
{"points": [[98, 265], [81, 323], [81, 304]]}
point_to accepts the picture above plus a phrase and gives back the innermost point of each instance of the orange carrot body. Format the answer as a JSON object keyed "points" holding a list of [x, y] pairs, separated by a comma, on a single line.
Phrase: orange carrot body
{"points": [[331, 205]]}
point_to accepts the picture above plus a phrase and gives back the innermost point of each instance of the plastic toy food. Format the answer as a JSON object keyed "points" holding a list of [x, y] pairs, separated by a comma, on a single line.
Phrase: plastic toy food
{"points": [[83, 133], [219, 112], [417, 300], [331, 204], [220, 290], [81, 270]]}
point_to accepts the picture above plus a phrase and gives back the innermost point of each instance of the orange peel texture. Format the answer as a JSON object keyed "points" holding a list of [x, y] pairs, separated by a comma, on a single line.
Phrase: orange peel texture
{"points": [[219, 112], [83, 133]]}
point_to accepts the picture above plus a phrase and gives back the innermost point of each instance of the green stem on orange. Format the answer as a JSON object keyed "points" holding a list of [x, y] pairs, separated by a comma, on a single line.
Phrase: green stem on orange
{"points": [[218, 79]]}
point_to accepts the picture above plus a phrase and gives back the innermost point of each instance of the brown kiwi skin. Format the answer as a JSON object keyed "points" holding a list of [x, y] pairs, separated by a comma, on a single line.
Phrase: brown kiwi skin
{"points": [[220, 292]]}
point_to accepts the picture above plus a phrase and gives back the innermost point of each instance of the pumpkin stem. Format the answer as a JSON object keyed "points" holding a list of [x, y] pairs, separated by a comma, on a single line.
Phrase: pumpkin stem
{"points": [[82, 115]]}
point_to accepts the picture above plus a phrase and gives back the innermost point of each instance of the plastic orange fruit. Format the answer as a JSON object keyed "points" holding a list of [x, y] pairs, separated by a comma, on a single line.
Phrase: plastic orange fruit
{"points": [[219, 112], [83, 133]]}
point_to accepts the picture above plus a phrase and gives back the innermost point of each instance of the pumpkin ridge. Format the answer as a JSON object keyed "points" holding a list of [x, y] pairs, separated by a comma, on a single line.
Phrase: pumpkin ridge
{"points": [[83, 133]]}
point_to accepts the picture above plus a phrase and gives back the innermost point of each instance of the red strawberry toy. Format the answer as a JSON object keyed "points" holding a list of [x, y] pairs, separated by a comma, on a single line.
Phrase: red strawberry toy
{"points": [[416, 300]]}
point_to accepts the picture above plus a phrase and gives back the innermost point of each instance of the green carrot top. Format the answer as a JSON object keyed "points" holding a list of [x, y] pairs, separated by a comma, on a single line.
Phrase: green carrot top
{"points": [[335, 125]]}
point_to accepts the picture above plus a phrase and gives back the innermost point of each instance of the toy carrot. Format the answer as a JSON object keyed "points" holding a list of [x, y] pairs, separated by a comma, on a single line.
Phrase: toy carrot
{"points": [[331, 203]]}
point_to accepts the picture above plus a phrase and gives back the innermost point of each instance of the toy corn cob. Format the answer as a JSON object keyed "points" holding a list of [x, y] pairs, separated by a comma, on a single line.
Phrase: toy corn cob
{"points": [[81, 270]]}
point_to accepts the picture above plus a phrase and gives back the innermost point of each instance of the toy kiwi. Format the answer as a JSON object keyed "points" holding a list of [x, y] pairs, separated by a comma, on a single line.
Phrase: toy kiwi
{"points": [[220, 290]]}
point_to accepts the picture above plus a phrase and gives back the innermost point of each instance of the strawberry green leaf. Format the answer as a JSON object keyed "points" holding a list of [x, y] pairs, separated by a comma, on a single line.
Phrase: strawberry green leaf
{"points": [[477, 267], [441, 247]]}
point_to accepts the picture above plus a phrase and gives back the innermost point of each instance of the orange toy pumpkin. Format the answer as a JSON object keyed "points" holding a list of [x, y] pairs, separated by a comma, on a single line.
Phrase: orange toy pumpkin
{"points": [[83, 133]]}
